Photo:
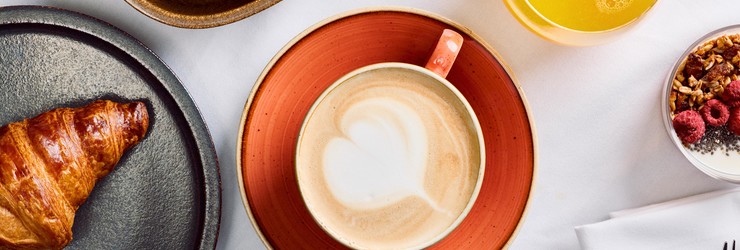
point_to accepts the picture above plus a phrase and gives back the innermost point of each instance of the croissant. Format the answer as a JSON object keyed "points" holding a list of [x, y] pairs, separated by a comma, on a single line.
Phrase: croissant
{"points": [[49, 164]]}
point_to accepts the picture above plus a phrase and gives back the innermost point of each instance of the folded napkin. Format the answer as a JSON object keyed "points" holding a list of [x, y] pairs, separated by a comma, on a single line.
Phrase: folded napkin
{"points": [[704, 221]]}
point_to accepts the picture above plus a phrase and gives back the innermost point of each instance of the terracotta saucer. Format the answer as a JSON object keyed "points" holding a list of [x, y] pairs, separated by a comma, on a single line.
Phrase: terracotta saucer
{"points": [[198, 14], [319, 56]]}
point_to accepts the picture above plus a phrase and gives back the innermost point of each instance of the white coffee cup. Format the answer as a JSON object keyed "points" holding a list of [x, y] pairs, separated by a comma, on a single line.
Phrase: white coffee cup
{"points": [[391, 155]]}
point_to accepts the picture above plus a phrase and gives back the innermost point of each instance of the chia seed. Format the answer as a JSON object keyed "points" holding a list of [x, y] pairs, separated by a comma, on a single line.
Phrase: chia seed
{"points": [[717, 139]]}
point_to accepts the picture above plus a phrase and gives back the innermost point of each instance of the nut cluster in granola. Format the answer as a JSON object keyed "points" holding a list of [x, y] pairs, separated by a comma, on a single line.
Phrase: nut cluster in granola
{"points": [[707, 83]]}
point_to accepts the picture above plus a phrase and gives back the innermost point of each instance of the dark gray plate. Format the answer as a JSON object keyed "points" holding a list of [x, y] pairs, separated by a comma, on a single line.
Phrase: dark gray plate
{"points": [[166, 192]]}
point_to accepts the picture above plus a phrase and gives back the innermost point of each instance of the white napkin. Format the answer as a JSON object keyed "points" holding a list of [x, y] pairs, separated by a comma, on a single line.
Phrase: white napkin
{"points": [[704, 221]]}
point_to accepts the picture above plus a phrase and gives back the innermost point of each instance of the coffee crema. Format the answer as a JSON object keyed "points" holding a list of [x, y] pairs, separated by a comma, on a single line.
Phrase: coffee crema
{"points": [[389, 158]]}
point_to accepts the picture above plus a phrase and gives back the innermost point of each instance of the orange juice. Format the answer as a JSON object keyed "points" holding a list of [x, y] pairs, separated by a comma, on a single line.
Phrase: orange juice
{"points": [[591, 15], [579, 22]]}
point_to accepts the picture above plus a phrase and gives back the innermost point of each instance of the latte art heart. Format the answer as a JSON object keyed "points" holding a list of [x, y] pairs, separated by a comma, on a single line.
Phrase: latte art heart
{"points": [[389, 158], [381, 156]]}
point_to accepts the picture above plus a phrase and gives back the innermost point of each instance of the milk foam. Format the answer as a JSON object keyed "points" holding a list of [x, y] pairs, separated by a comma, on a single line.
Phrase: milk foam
{"points": [[382, 156], [388, 159]]}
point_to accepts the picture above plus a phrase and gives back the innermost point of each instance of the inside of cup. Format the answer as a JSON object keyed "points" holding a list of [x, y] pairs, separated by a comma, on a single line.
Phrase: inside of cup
{"points": [[390, 156]]}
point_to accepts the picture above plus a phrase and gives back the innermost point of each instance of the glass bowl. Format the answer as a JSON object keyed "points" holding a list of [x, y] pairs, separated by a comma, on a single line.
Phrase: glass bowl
{"points": [[721, 164]]}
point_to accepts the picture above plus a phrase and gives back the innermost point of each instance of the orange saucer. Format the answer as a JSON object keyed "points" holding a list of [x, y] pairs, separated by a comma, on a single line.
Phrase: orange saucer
{"points": [[319, 56]]}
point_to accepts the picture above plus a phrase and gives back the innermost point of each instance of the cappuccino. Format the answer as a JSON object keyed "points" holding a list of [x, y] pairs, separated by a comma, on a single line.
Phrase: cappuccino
{"points": [[390, 157]]}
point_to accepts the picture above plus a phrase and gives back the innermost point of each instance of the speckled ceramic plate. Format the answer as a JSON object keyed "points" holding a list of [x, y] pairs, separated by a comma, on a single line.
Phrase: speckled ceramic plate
{"points": [[198, 14], [318, 57], [165, 193]]}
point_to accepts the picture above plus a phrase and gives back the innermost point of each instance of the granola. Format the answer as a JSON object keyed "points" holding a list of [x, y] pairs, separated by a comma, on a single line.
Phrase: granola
{"points": [[705, 73]]}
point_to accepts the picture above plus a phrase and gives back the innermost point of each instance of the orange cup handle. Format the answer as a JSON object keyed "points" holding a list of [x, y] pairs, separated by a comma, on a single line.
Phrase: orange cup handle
{"points": [[445, 53]]}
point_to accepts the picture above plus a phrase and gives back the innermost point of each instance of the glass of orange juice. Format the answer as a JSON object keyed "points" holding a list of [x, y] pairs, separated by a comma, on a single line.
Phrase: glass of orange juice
{"points": [[579, 22]]}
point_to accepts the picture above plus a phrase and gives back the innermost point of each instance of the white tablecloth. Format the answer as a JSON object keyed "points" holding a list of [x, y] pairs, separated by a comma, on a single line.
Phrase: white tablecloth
{"points": [[602, 144]]}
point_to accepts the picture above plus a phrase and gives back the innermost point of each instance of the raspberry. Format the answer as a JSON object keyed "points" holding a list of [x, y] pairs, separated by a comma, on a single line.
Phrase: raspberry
{"points": [[689, 126], [715, 113], [731, 95], [734, 124]]}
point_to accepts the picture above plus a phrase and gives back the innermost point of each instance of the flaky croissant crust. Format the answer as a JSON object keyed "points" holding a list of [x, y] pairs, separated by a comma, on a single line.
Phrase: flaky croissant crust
{"points": [[49, 164]]}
